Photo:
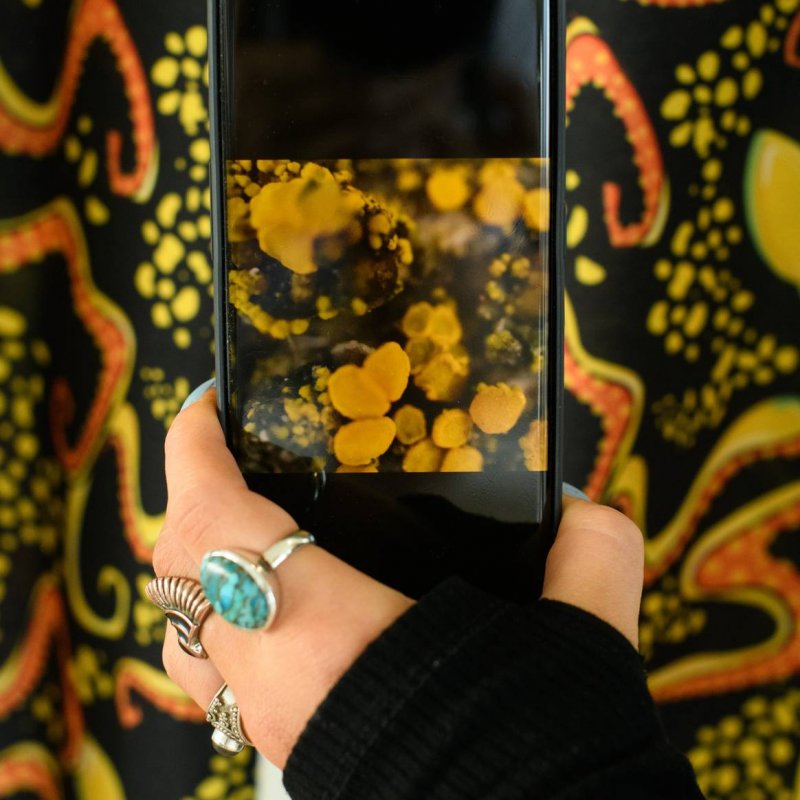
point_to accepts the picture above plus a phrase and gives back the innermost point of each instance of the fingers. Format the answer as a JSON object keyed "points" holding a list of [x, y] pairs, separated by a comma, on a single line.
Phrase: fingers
{"points": [[205, 487], [597, 564], [198, 677]]}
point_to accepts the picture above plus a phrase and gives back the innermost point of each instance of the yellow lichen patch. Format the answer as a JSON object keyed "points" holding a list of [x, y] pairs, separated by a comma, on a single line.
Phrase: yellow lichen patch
{"points": [[448, 188], [410, 423], [536, 209], [534, 446], [424, 456], [443, 377], [451, 428], [462, 459], [417, 319], [389, 367], [500, 200], [497, 408], [291, 217], [444, 327], [355, 394], [360, 442]]}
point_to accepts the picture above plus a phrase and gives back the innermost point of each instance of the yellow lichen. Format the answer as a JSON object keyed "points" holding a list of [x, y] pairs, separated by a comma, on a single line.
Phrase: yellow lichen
{"points": [[534, 446], [389, 367], [417, 320], [360, 442], [451, 428], [447, 188], [443, 377], [536, 209], [462, 459], [444, 327], [497, 408], [411, 426], [423, 456], [294, 216], [355, 394], [499, 202]]}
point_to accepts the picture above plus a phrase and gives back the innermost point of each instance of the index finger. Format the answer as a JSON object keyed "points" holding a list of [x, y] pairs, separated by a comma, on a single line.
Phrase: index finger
{"points": [[209, 505]]}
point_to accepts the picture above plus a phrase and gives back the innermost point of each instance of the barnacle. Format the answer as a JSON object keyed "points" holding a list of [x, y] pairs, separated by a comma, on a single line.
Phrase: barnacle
{"points": [[534, 446], [451, 428], [423, 456], [497, 408], [462, 459], [411, 425], [357, 443]]}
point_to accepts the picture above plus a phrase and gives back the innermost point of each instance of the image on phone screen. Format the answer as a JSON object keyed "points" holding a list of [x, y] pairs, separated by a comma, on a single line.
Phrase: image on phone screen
{"points": [[385, 208]]}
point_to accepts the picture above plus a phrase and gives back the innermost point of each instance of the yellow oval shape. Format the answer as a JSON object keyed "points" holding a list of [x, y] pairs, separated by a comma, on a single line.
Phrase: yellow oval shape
{"points": [[389, 367], [359, 442], [355, 394], [772, 201]]}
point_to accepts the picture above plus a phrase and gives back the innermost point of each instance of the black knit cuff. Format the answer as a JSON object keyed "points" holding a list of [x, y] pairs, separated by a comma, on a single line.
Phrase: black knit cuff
{"points": [[469, 696], [382, 679]]}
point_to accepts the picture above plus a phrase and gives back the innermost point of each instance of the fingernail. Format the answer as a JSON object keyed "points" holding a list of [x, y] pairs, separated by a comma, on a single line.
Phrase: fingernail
{"points": [[197, 393], [573, 491]]}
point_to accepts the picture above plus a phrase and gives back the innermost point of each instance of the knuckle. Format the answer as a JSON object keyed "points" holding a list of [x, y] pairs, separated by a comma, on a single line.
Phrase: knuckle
{"points": [[191, 516], [164, 555]]}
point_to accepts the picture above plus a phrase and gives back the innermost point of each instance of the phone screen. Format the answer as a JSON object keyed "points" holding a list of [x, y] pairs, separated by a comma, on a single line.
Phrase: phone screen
{"points": [[386, 271]]}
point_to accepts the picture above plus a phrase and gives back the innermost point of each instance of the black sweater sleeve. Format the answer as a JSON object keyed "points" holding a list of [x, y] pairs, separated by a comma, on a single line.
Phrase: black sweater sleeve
{"points": [[467, 696]]}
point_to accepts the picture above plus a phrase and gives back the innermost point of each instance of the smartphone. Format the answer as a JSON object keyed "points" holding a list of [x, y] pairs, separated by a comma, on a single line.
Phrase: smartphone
{"points": [[387, 212]]}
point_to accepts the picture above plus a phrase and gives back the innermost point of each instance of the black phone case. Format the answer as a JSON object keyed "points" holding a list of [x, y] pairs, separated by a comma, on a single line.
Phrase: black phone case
{"points": [[380, 540]]}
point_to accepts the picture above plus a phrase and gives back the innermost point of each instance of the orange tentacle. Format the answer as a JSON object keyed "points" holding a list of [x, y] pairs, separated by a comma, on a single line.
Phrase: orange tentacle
{"points": [[24, 668], [591, 61], [93, 19], [28, 775], [153, 686], [56, 230]]}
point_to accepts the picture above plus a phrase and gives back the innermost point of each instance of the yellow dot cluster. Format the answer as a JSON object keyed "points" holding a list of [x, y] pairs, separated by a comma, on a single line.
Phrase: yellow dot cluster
{"points": [[149, 622], [45, 707], [227, 779], [704, 311], [706, 307], [705, 106], [30, 506], [91, 681], [666, 619], [751, 754], [178, 275], [165, 396], [86, 160]]}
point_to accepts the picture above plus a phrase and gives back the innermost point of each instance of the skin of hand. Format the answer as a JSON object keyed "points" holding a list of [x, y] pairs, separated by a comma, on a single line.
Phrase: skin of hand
{"points": [[330, 611]]}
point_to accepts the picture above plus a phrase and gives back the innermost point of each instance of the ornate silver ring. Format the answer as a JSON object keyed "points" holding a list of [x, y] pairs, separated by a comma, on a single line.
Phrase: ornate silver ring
{"points": [[242, 586], [228, 738], [186, 607]]}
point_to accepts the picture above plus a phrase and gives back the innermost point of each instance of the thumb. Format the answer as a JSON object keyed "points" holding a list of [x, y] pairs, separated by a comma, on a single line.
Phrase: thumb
{"points": [[597, 564]]}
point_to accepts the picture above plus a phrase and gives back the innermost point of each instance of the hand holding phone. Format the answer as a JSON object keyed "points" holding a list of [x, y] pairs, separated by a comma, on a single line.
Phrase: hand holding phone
{"points": [[387, 222]]}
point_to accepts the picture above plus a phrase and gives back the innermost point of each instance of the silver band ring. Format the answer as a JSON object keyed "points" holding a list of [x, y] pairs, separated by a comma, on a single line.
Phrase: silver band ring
{"points": [[228, 738], [185, 606], [242, 586]]}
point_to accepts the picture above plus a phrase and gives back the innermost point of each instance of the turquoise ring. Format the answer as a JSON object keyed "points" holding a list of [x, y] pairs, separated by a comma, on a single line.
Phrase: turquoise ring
{"points": [[242, 586]]}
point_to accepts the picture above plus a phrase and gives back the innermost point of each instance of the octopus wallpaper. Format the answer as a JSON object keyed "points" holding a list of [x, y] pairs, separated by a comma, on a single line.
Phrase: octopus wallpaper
{"points": [[682, 372]]}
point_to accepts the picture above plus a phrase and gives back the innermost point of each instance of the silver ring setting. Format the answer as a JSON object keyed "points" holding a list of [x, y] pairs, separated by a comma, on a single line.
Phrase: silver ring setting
{"points": [[185, 606], [228, 738], [242, 586]]}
